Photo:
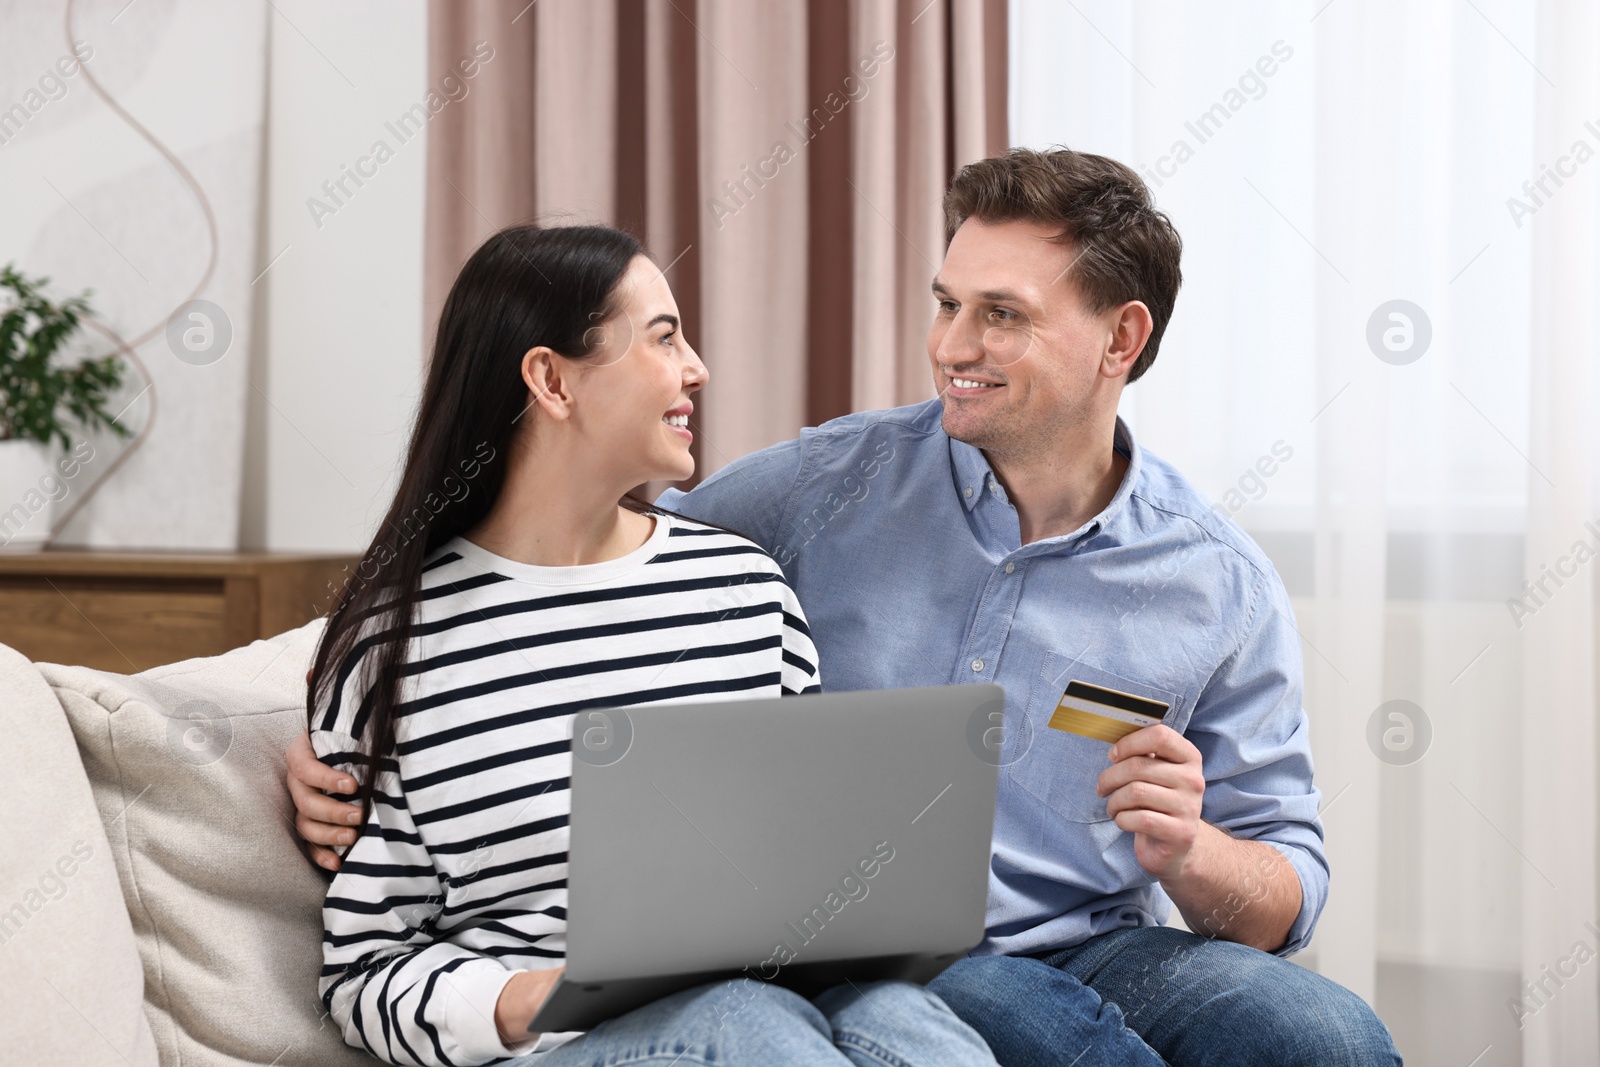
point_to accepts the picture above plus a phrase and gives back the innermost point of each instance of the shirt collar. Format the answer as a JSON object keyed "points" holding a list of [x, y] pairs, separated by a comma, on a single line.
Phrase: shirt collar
{"points": [[972, 472], [974, 477]]}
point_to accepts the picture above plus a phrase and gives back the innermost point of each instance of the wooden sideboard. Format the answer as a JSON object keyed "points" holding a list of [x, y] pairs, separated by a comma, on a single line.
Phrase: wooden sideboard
{"points": [[127, 612]]}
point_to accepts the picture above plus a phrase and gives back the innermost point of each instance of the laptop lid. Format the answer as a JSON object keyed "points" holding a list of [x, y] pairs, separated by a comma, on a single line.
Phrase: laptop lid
{"points": [[778, 838]]}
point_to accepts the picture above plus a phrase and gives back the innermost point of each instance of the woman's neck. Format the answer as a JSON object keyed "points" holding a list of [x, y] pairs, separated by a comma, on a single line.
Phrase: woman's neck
{"points": [[555, 513]]}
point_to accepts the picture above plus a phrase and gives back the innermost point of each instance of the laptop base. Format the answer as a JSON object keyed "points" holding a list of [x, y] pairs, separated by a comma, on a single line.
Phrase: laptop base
{"points": [[582, 1005]]}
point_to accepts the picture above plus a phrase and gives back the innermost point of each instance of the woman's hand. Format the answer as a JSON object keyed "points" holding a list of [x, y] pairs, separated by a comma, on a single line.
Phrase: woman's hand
{"points": [[520, 1001], [321, 820]]}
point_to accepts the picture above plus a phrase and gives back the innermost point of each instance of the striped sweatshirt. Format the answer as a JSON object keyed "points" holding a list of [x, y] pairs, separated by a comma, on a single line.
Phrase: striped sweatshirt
{"points": [[459, 877]]}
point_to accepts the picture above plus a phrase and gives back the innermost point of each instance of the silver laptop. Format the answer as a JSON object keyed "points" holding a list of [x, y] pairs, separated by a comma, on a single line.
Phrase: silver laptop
{"points": [[803, 841]]}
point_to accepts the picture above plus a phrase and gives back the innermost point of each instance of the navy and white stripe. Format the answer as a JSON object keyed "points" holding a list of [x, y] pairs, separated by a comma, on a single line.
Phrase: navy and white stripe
{"points": [[458, 878]]}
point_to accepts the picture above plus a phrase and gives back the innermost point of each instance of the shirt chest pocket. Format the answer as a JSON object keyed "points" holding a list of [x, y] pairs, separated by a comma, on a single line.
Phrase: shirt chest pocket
{"points": [[1057, 768]]}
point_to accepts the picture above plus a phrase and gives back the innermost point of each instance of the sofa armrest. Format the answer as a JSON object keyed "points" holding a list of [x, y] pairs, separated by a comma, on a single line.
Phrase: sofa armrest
{"points": [[72, 984]]}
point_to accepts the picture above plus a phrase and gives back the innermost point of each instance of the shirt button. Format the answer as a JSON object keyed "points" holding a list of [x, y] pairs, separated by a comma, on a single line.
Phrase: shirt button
{"points": [[969, 490], [977, 664], [1010, 567]]}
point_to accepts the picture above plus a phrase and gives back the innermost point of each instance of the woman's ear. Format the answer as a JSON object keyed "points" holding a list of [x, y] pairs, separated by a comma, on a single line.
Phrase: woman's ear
{"points": [[544, 372]]}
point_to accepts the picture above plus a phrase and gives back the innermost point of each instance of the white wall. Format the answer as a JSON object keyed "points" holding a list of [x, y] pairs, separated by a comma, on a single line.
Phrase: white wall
{"points": [[340, 344], [91, 197]]}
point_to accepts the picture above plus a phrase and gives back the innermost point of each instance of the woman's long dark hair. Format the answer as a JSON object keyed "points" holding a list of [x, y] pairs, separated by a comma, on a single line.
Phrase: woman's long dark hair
{"points": [[526, 286]]}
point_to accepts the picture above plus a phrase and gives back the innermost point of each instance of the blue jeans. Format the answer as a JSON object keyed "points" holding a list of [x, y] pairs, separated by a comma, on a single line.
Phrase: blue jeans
{"points": [[745, 1023], [1187, 1000]]}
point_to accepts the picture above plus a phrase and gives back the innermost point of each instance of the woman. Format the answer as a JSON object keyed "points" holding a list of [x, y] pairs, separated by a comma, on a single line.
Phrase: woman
{"points": [[513, 583]]}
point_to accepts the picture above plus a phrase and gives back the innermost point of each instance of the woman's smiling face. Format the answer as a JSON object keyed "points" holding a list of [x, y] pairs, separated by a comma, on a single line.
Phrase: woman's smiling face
{"points": [[633, 392]]}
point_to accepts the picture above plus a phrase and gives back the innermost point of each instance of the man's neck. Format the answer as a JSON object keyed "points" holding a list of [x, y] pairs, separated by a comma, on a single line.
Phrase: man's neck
{"points": [[1059, 489]]}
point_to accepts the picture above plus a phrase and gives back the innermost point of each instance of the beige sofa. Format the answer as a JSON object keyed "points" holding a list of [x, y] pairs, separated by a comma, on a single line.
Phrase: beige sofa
{"points": [[154, 905]]}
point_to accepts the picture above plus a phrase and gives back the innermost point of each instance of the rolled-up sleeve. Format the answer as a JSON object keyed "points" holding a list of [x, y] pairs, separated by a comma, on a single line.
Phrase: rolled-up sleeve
{"points": [[1251, 729]]}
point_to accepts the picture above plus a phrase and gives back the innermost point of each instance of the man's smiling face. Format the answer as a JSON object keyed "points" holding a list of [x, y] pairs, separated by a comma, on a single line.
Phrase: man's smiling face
{"points": [[1017, 359]]}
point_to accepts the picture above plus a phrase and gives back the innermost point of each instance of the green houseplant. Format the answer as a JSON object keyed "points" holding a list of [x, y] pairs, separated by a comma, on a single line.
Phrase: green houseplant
{"points": [[44, 401]]}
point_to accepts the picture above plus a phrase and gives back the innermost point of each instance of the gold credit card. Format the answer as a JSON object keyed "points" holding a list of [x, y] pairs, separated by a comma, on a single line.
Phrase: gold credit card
{"points": [[1103, 714]]}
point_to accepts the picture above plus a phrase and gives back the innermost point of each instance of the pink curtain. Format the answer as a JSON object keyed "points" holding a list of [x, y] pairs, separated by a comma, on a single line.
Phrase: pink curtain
{"points": [[783, 161]]}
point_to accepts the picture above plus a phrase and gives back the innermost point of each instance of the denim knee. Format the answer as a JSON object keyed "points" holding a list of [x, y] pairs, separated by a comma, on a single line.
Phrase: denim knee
{"points": [[849, 1004], [1196, 999], [1329, 1026], [1311, 1023], [900, 1023]]}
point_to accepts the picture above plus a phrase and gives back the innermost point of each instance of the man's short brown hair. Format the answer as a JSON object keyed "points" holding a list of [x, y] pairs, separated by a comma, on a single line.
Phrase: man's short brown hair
{"points": [[1126, 249]]}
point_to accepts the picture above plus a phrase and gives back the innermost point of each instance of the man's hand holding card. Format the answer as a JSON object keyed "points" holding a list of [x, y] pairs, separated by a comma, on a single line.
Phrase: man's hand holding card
{"points": [[1155, 785], [1154, 789]]}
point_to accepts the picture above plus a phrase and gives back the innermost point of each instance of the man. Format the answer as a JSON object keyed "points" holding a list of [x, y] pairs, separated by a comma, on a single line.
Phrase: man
{"points": [[1011, 530]]}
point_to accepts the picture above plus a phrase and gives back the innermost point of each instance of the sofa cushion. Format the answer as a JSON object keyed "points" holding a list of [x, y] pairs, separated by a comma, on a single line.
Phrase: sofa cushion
{"points": [[70, 980], [187, 766]]}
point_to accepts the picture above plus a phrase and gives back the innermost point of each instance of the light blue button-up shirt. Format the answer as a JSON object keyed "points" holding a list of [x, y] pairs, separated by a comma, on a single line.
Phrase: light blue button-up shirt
{"points": [[906, 555]]}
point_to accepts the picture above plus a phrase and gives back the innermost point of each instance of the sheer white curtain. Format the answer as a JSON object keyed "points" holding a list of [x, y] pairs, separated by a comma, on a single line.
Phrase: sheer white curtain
{"points": [[1407, 466]]}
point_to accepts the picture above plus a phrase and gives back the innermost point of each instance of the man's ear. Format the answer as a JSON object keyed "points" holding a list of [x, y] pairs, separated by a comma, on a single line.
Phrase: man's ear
{"points": [[1131, 325], [545, 373]]}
